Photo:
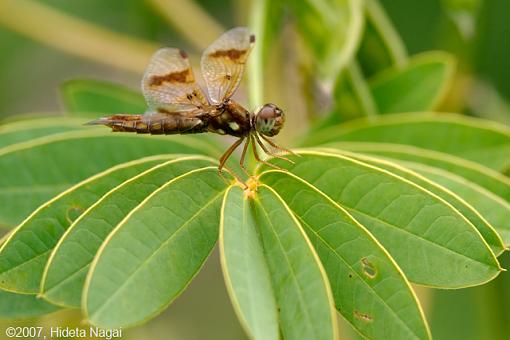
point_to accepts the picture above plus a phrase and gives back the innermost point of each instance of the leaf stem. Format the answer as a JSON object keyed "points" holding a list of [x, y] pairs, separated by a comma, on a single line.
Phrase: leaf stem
{"points": [[361, 89], [75, 36], [396, 48], [256, 63], [191, 20]]}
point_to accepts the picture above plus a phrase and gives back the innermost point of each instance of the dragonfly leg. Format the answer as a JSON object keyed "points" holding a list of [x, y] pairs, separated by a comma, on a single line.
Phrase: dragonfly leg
{"points": [[269, 152], [243, 155], [227, 153], [256, 154], [270, 142]]}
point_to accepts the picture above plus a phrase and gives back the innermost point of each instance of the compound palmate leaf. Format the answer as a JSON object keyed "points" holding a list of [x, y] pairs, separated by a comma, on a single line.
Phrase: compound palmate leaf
{"points": [[370, 290], [36, 170], [429, 239], [68, 265], [25, 252], [155, 251], [272, 270]]}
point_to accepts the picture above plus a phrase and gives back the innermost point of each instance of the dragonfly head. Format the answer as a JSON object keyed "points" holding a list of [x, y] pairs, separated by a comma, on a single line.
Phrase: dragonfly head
{"points": [[269, 119]]}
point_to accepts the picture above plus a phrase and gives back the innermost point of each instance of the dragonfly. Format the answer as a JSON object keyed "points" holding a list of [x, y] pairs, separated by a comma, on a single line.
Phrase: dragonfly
{"points": [[177, 104]]}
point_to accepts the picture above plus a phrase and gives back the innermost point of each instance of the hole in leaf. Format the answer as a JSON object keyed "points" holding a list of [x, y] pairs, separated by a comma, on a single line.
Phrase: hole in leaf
{"points": [[350, 276], [362, 316], [368, 268], [73, 213]]}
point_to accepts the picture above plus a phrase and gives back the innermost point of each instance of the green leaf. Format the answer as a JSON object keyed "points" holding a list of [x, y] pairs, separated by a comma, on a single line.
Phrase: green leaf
{"points": [[487, 178], [481, 141], [19, 306], [370, 290], [65, 272], [418, 86], [381, 46], [155, 251], [246, 272], [331, 29], [36, 170], [299, 284], [430, 240], [492, 207], [457, 198], [25, 253], [25, 130], [94, 96]]}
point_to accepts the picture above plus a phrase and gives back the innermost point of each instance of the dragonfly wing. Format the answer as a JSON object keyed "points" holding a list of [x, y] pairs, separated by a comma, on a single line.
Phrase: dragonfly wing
{"points": [[169, 85], [223, 63]]}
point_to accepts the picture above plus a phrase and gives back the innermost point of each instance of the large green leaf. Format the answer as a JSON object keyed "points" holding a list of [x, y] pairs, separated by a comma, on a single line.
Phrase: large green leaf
{"points": [[492, 207], [17, 306], [430, 240], [459, 199], [94, 96], [485, 177], [245, 268], [370, 290], [24, 254], [25, 130], [418, 86], [155, 251], [475, 139], [67, 267], [299, 283], [36, 170]]}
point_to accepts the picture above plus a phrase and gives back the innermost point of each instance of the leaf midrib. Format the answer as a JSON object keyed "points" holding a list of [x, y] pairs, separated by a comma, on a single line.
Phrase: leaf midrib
{"points": [[295, 281]]}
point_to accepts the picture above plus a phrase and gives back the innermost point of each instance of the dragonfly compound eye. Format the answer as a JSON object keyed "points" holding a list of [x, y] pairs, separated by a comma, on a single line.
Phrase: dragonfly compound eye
{"points": [[269, 120]]}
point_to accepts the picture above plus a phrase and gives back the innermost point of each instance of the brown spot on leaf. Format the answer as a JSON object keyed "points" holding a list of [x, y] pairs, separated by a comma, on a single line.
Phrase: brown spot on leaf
{"points": [[184, 76], [368, 268], [361, 316], [252, 38]]}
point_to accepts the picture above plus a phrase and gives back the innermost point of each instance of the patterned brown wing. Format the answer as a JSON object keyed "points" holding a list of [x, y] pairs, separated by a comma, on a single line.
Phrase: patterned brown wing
{"points": [[223, 63], [169, 85]]}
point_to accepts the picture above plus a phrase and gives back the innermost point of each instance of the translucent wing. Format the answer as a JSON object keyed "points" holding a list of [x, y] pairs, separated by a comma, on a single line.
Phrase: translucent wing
{"points": [[169, 85], [223, 63]]}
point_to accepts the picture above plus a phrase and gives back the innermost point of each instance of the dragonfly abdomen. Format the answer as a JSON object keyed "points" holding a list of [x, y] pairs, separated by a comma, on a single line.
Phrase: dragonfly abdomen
{"points": [[156, 125]]}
